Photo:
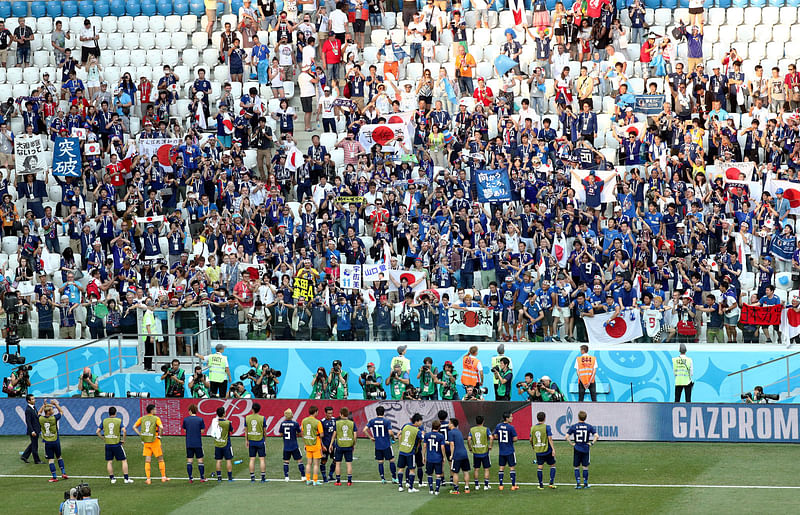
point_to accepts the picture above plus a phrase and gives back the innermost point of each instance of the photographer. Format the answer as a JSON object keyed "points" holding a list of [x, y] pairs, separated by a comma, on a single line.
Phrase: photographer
{"points": [[397, 381], [337, 381], [548, 390], [198, 384], [253, 374], [757, 396], [474, 393], [530, 388], [372, 383], [238, 391], [504, 377], [303, 317], [174, 379], [87, 505], [266, 386], [427, 380], [320, 327], [88, 383], [447, 381], [319, 385], [16, 385]]}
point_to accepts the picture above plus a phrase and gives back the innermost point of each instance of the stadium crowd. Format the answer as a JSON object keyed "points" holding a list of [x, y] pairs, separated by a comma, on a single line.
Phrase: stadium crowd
{"points": [[204, 224]]}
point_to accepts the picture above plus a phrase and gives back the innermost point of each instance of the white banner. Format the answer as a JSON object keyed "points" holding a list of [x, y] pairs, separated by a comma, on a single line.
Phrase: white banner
{"points": [[415, 279], [472, 321], [350, 277], [609, 178], [372, 272], [28, 150], [624, 328], [157, 146], [383, 133]]}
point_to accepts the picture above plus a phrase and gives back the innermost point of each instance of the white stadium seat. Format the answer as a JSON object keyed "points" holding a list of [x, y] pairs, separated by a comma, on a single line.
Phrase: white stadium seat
{"points": [[752, 15], [190, 57], [770, 16], [125, 24], [189, 23], [199, 40], [147, 41], [162, 40], [131, 40], [788, 15], [179, 40], [171, 57], [141, 24], [14, 75], [172, 23], [31, 75], [157, 24], [734, 16], [116, 41], [155, 57], [138, 57]]}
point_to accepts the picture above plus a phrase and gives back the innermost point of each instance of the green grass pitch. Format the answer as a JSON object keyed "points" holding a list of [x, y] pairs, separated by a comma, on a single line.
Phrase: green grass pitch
{"points": [[629, 478]]}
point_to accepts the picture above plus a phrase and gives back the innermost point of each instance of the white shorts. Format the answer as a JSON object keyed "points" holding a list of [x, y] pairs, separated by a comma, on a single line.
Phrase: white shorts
{"points": [[561, 312]]}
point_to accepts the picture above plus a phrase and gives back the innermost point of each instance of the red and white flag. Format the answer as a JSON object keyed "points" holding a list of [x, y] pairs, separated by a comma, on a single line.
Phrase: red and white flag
{"points": [[791, 192], [294, 158], [560, 249], [518, 10], [200, 116], [790, 324], [91, 149], [736, 172], [144, 220], [624, 328], [411, 277]]}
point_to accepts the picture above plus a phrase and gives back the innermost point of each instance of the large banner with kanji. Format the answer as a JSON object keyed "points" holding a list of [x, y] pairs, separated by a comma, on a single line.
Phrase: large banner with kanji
{"points": [[67, 157], [470, 322], [761, 315]]}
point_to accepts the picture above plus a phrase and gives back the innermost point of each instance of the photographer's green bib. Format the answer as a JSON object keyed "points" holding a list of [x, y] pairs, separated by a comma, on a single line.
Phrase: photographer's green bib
{"points": [[255, 427], [398, 389], [426, 384], [338, 389], [345, 433]]}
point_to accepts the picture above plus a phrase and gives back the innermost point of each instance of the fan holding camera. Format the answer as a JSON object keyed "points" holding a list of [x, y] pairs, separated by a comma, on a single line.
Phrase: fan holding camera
{"points": [[174, 378]]}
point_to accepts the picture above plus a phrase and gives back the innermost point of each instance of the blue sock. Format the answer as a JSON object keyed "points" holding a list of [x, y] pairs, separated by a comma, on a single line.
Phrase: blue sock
{"points": [[500, 477], [578, 476], [393, 469], [53, 469], [111, 476], [338, 478], [202, 468], [539, 475], [252, 476], [189, 470], [455, 488], [513, 478], [420, 471], [125, 476], [476, 482], [263, 476], [438, 483], [552, 474], [381, 470], [323, 472], [302, 469], [430, 482], [410, 480], [286, 470], [230, 476], [349, 478], [400, 478], [585, 476], [332, 470], [485, 482], [61, 465]]}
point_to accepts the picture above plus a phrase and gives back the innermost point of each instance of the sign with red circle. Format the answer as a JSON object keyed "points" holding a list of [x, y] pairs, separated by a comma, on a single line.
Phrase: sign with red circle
{"points": [[616, 328]]}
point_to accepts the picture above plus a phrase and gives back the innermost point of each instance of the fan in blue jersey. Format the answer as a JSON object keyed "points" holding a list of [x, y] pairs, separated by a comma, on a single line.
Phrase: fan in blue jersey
{"points": [[583, 437], [505, 435], [459, 459], [289, 431], [434, 445], [379, 430]]}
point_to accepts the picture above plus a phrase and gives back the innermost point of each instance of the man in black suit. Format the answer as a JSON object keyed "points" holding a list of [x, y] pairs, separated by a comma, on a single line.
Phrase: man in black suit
{"points": [[32, 429]]}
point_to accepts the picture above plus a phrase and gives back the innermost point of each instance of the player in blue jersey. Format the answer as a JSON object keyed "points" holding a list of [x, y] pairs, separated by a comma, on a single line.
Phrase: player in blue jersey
{"points": [[290, 430], [193, 426], [434, 445], [583, 437], [505, 435], [542, 444], [379, 430], [459, 459], [328, 428], [411, 436], [445, 425]]}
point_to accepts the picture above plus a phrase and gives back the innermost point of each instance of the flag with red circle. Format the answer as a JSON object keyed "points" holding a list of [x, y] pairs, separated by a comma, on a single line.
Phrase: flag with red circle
{"points": [[625, 327], [790, 324], [791, 192], [385, 134], [471, 322], [736, 172]]}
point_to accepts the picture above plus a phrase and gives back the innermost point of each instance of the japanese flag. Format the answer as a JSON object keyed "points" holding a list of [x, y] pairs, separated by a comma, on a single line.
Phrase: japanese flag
{"points": [[200, 116], [149, 219], [560, 250], [91, 149], [626, 327], [293, 159]]}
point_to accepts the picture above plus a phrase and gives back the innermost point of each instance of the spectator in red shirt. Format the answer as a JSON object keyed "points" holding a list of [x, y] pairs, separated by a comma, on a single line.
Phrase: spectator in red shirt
{"points": [[646, 53], [332, 56], [483, 93], [792, 81]]}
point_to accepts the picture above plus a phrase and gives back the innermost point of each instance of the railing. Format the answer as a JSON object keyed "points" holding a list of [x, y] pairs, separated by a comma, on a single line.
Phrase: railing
{"points": [[789, 377], [67, 372], [199, 342]]}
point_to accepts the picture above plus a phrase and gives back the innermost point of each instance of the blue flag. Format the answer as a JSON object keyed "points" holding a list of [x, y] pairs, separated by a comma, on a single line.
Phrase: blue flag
{"points": [[448, 89], [783, 248], [67, 157], [492, 185], [503, 63]]}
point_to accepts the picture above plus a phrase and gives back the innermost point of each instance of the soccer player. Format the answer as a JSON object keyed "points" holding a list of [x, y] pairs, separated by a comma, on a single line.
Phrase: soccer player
{"points": [[113, 435], [581, 433], [312, 429], [151, 441], [379, 430], [459, 460], [442, 416], [221, 431], [506, 435], [52, 445], [434, 445], [290, 430], [410, 438], [193, 426], [328, 429], [256, 434], [479, 442], [542, 443], [343, 444]]}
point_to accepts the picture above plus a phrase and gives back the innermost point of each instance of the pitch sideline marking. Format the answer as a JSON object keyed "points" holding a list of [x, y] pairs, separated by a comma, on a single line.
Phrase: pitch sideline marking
{"points": [[280, 480]]}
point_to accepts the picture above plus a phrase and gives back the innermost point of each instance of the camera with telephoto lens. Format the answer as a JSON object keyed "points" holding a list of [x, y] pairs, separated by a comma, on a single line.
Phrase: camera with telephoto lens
{"points": [[251, 374], [167, 369], [495, 369], [760, 396], [523, 384], [78, 491]]}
